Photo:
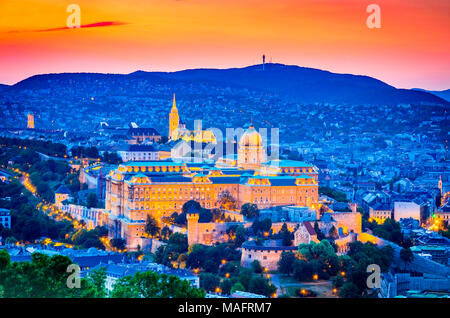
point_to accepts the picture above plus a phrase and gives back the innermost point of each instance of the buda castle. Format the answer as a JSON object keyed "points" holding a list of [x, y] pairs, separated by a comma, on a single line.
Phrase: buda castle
{"points": [[160, 188]]}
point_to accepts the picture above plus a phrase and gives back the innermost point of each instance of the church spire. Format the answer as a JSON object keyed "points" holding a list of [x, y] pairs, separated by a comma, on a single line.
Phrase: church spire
{"points": [[174, 121], [174, 104]]}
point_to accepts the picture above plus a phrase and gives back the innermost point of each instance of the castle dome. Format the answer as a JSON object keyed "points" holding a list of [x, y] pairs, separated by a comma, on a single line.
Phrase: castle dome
{"points": [[251, 138]]}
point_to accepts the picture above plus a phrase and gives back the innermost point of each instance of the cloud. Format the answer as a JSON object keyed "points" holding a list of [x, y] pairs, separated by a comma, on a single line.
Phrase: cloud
{"points": [[83, 26]]}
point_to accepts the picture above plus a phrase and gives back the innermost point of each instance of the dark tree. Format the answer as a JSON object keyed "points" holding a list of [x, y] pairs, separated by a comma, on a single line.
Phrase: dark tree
{"points": [[285, 235], [406, 255], [250, 210], [91, 200], [209, 282], [286, 264], [151, 226]]}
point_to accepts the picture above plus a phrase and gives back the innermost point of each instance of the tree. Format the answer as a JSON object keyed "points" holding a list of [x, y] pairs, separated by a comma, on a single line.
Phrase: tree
{"points": [[406, 255], [362, 255], [250, 210], [196, 257], [226, 286], [320, 235], [286, 263], [209, 282], [260, 285], [118, 243], [303, 271], [42, 277], [324, 255], [178, 242], [91, 200], [240, 236], [285, 235], [5, 259], [237, 287], [256, 267], [151, 226], [338, 281], [349, 290], [390, 230], [153, 285], [211, 266], [261, 226], [226, 201], [98, 279], [165, 255], [191, 206]]}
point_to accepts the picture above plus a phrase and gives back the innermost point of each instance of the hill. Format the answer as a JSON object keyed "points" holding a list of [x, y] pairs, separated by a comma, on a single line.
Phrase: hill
{"points": [[445, 94], [294, 83]]}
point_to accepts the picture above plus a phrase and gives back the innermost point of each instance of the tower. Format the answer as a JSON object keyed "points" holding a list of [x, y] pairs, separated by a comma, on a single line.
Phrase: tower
{"points": [[174, 121], [30, 122], [440, 189], [264, 61], [192, 227]]}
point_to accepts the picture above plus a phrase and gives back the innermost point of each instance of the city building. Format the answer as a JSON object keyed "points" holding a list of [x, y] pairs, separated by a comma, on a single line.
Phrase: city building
{"points": [[379, 212], [5, 218], [404, 210], [139, 153], [305, 234], [139, 135], [30, 121], [267, 254], [207, 233], [61, 194], [91, 216]]}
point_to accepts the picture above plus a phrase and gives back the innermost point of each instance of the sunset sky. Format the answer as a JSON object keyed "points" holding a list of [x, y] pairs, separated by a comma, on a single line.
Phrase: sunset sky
{"points": [[412, 48]]}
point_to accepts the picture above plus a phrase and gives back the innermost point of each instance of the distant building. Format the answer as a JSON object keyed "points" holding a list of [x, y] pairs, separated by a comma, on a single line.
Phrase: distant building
{"points": [[139, 153], [30, 121], [438, 253], [61, 194], [267, 254], [5, 218], [91, 216], [305, 234], [141, 135], [207, 233], [301, 213], [413, 284], [379, 212], [404, 210]]}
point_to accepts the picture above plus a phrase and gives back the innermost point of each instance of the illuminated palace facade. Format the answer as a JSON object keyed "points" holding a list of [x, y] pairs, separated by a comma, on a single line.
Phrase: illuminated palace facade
{"points": [[160, 188]]}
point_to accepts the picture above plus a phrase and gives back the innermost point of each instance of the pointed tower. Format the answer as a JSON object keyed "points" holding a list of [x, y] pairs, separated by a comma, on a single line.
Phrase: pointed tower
{"points": [[440, 188], [174, 121]]}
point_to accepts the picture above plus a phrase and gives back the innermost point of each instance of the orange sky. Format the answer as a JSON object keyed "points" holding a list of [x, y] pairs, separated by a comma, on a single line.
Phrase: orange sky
{"points": [[412, 48]]}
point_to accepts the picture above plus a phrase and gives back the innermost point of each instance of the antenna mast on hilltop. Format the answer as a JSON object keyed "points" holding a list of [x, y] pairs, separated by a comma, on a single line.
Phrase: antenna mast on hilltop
{"points": [[264, 61]]}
